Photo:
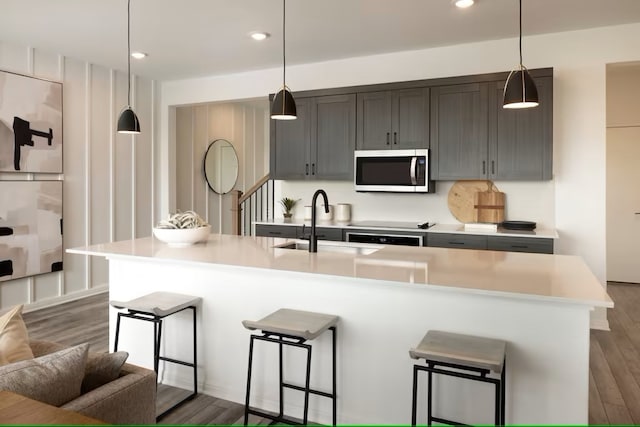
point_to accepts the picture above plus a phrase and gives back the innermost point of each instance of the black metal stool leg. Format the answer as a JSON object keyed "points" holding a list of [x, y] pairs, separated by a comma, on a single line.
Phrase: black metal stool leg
{"points": [[157, 332], [307, 387], [414, 401], [430, 397], [497, 405], [281, 378], [195, 353], [115, 345], [503, 391], [246, 401], [335, 398]]}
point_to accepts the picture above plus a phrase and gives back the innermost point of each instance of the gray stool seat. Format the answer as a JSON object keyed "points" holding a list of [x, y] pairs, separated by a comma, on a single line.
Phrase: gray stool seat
{"points": [[462, 356], [161, 304], [468, 350], [296, 323]]}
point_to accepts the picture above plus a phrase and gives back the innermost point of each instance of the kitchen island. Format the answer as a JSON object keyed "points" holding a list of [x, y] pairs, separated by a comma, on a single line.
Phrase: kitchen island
{"points": [[387, 297]]}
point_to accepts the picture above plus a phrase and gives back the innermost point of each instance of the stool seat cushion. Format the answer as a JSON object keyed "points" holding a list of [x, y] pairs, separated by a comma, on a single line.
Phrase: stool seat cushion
{"points": [[296, 323], [161, 304], [467, 350]]}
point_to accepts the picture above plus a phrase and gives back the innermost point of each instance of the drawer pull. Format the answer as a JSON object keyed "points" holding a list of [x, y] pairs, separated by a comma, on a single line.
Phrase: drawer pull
{"points": [[456, 243], [520, 246], [275, 233]]}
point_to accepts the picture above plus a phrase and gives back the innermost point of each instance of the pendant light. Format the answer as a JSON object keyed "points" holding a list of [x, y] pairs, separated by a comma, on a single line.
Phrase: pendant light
{"points": [[283, 106], [128, 121], [520, 90]]}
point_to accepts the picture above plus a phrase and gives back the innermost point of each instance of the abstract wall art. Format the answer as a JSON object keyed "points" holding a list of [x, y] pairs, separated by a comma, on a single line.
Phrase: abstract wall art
{"points": [[30, 124], [30, 228]]}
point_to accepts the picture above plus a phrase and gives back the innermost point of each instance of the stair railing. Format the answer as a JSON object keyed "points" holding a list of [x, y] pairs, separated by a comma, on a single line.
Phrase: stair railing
{"points": [[256, 204]]}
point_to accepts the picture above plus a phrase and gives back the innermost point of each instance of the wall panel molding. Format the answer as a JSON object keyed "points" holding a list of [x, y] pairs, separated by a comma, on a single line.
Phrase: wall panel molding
{"points": [[89, 140]]}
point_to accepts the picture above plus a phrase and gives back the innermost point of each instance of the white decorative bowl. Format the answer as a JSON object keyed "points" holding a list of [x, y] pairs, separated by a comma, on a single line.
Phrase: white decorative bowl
{"points": [[182, 236]]}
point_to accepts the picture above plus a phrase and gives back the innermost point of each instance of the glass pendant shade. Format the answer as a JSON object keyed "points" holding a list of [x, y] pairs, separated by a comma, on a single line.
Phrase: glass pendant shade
{"points": [[283, 106], [128, 122], [520, 90]]}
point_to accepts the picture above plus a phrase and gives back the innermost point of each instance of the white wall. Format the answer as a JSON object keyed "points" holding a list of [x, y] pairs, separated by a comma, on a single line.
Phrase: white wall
{"points": [[108, 190], [245, 126], [575, 200]]}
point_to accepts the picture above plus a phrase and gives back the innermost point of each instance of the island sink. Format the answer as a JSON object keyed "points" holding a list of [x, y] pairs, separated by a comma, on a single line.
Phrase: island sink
{"points": [[303, 245]]}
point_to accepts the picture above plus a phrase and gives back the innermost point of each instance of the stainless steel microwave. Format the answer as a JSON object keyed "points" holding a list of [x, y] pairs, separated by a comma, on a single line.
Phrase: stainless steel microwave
{"points": [[398, 171]]}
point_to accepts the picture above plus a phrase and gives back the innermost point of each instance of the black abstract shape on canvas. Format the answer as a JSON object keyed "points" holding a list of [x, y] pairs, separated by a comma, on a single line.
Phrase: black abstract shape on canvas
{"points": [[6, 231], [56, 266], [22, 135], [6, 267]]}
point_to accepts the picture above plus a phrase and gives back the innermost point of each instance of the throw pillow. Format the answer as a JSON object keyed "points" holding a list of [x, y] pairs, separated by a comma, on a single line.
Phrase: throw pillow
{"points": [[102, 368], [54, 379], [14, 338]]}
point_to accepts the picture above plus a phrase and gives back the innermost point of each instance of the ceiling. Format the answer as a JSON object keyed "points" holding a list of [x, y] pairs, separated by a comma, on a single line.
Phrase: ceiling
{"points": [[191, 38]]}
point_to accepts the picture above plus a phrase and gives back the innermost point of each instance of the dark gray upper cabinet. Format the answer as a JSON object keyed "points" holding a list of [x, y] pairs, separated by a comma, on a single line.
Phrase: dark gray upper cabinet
{"points": [[290, 144], [319, 144], [520, 141], [459, 131], [333, 136], [396, 119]]}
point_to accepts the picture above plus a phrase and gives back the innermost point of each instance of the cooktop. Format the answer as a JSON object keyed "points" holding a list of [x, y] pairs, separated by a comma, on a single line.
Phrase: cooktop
{"points": [[392, 224]]}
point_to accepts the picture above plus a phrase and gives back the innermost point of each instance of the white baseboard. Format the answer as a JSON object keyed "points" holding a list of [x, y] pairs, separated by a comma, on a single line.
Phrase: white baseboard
{"points": [[50, 302]]}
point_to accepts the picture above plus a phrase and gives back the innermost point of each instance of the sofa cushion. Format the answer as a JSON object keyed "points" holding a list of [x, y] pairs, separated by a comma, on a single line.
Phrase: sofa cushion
{"points": [[102, 368], [54, 379], [14, 339]]}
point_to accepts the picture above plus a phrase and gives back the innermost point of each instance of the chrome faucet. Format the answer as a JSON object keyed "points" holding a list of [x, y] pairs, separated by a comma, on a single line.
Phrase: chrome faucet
{"points": [[313, 240]]}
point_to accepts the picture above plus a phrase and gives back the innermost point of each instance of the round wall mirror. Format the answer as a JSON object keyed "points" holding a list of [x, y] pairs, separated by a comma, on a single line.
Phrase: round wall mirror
{"points": [[221, 166]]}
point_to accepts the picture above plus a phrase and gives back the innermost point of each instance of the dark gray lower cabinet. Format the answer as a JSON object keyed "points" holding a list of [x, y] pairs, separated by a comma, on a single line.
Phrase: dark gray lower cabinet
{"points": [[520, 244], [284, 231], [298, 232], [460, 241], [440, 240]]}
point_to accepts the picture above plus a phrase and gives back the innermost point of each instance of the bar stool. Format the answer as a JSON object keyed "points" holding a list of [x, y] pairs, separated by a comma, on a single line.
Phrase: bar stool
{"points": [[293, 328], [154, 308], [447, 353]]}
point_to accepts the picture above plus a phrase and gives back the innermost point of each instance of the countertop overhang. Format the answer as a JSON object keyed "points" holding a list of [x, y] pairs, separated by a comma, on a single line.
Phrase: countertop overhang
{"points": [[561, 278]]}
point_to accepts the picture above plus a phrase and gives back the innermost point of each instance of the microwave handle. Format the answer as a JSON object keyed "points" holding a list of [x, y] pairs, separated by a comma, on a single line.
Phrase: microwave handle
{"points": [[412, 172]]}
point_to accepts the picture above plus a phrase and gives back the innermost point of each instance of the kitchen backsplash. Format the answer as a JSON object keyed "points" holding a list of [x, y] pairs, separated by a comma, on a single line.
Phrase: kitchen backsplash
{"points": [[529, 201]]}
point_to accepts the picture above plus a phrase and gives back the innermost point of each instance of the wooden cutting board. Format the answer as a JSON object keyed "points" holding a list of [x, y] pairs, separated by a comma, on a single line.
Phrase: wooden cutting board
{"points": [[489, 206], [462, 200]]}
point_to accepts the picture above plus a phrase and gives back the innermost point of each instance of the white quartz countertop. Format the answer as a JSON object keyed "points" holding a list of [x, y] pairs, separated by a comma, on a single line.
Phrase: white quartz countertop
{"points": [[560, 278], [409, 226]]}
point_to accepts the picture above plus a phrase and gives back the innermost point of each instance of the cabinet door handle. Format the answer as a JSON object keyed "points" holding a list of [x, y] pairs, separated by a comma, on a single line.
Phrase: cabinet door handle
{"points": [[306, 168], [484, 167], [493, 167], [395, 137], [313, 168], [387, 138]]}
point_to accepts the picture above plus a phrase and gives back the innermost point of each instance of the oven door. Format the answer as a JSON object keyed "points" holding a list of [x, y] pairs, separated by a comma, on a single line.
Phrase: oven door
{"points": [[384, 238], [403, 171]]}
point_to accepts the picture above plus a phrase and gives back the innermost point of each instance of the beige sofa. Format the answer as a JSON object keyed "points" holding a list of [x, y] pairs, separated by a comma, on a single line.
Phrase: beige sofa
{"points": [[129, 399]]}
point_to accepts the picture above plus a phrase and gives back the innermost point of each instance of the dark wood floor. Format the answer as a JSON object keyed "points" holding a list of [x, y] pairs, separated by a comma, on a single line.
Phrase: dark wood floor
{"points": [[614, 386]]}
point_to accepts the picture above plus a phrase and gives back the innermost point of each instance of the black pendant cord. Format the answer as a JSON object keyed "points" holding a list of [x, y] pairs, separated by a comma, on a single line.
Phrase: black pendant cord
{"points": [[129, 53], [520, 42], [284, 57]]}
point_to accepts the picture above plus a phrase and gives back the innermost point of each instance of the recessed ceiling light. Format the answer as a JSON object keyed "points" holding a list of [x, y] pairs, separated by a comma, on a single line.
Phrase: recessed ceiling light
{"points": [[462, 4], [138, 55], [259, 35]]}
